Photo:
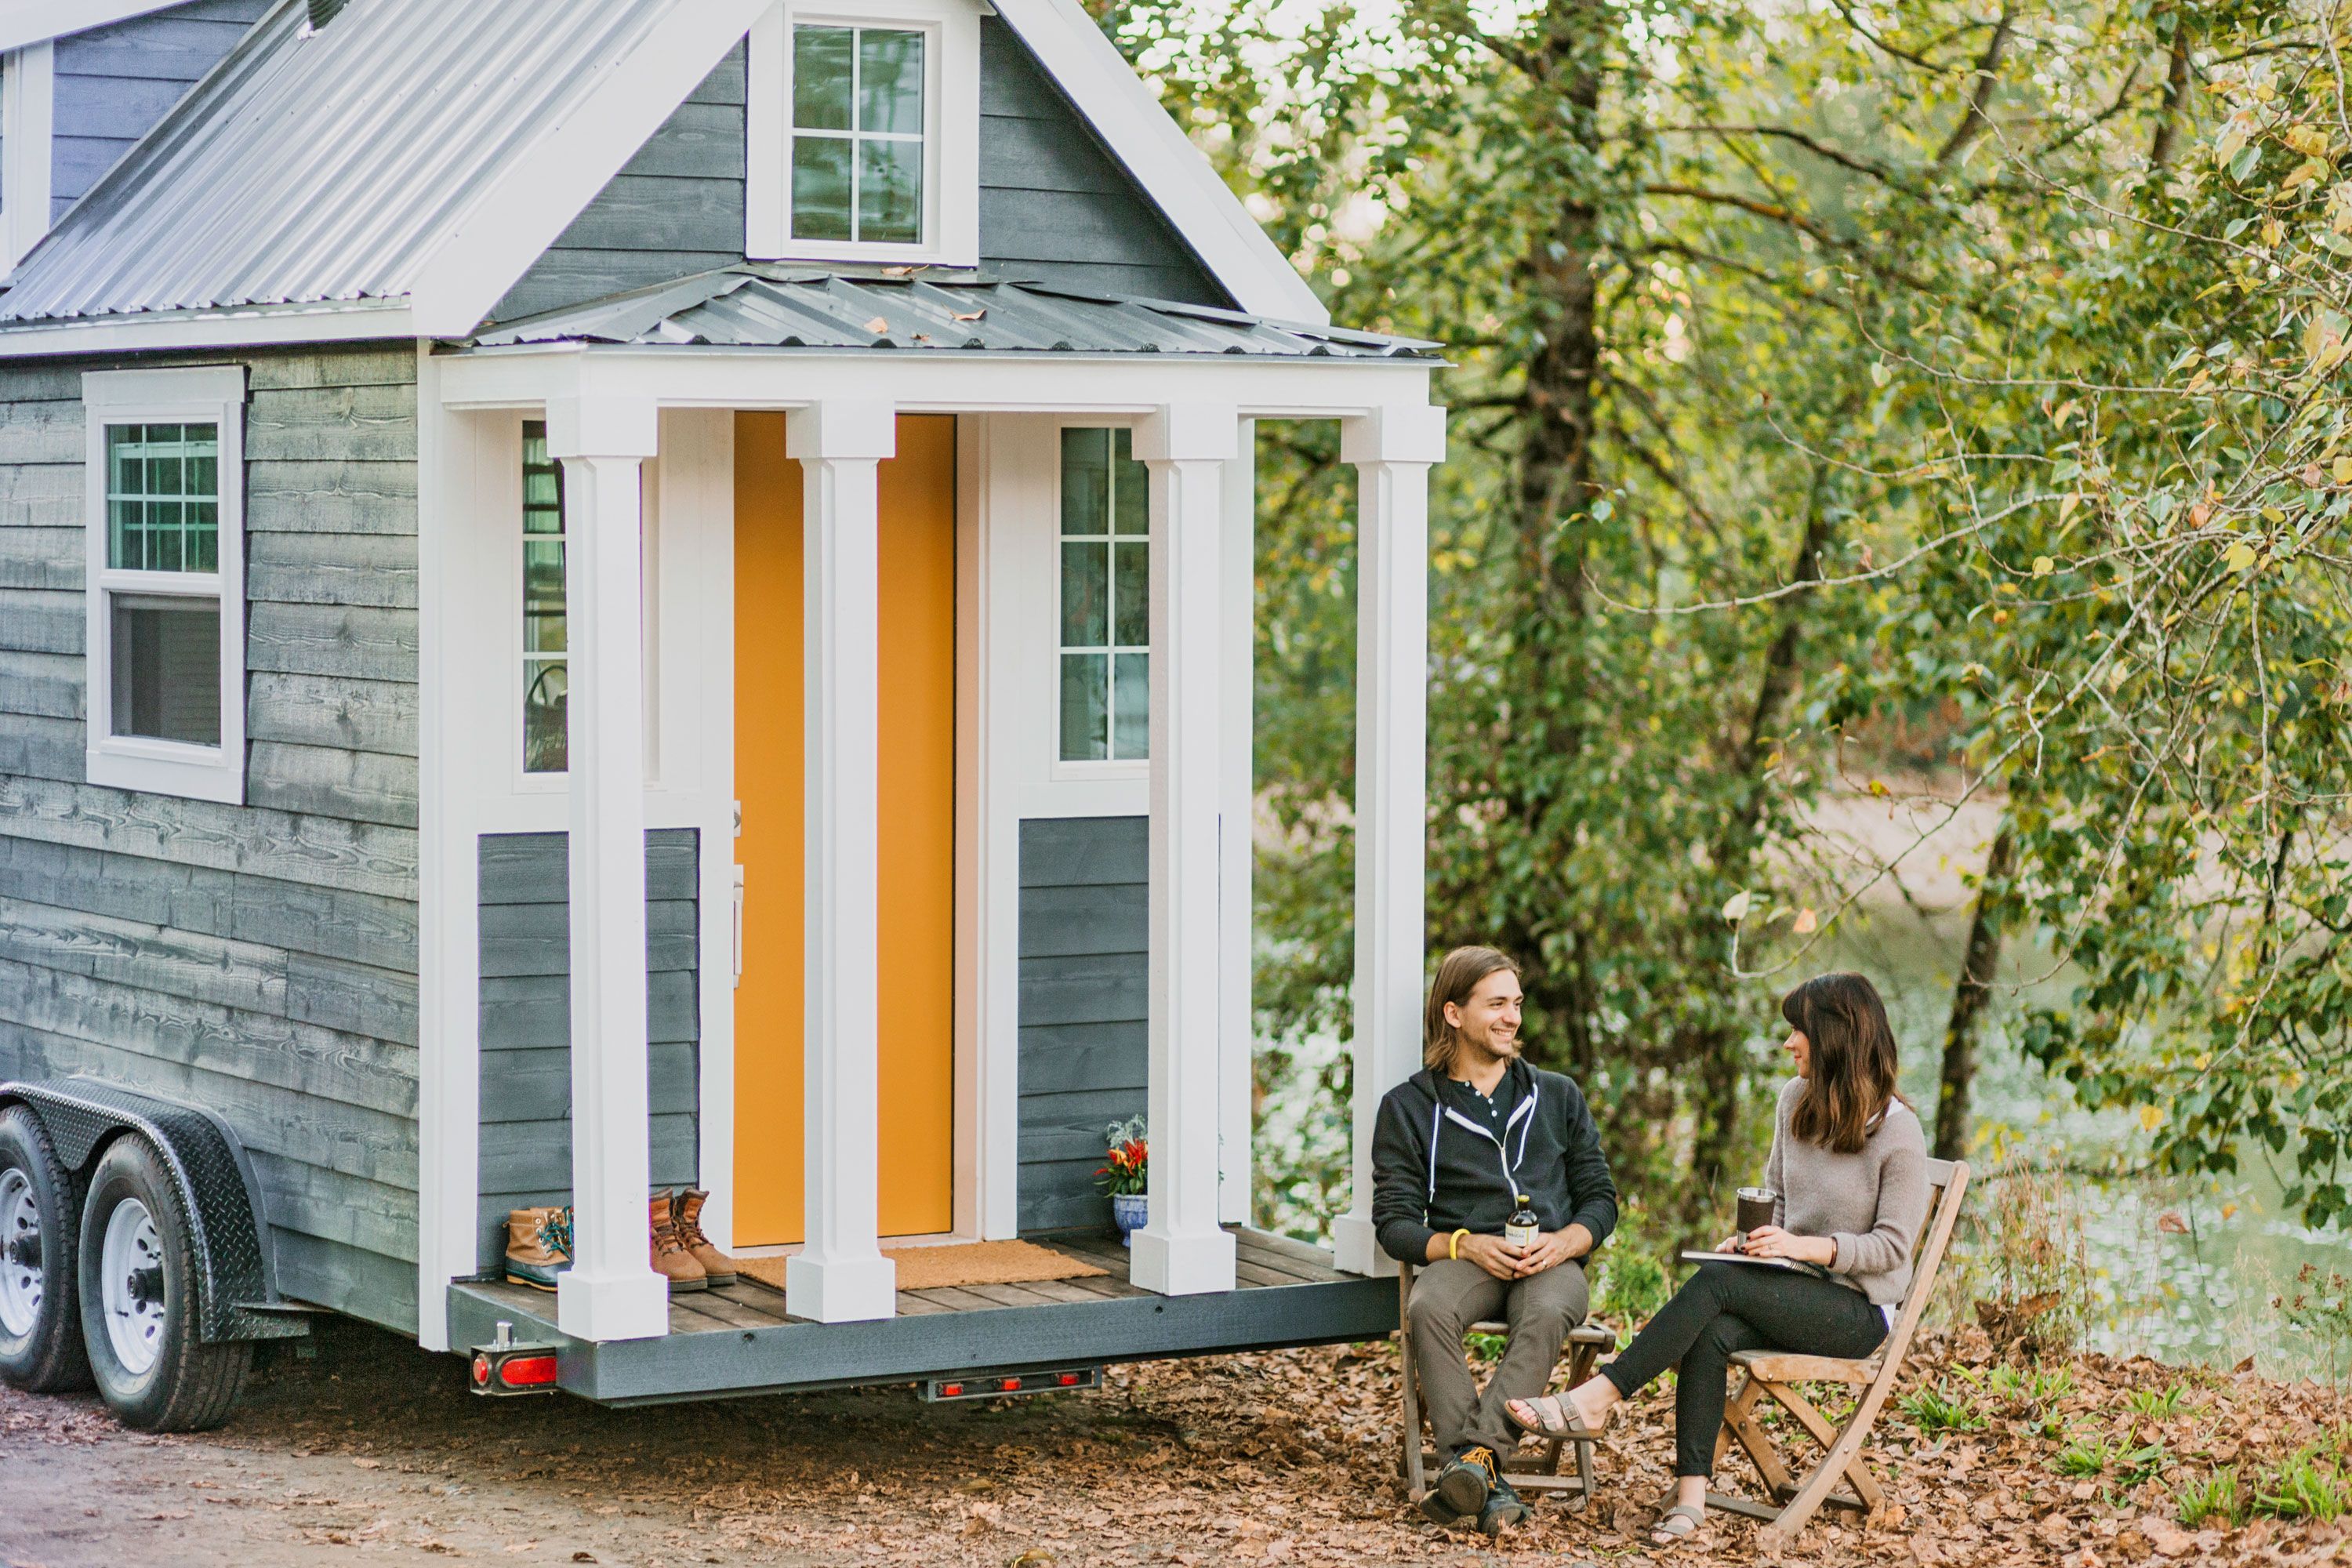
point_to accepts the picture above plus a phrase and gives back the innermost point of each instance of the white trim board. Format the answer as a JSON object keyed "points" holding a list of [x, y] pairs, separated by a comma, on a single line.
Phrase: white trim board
{"points": [[24, 22], [28, 153]]}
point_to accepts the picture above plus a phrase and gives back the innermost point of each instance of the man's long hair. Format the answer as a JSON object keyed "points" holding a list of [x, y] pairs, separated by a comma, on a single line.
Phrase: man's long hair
{"points": [[1852, 1059], [1458, 974]]}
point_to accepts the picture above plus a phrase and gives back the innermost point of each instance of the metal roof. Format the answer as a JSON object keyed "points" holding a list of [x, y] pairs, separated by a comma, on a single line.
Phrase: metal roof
{"points": [[325, 166], [756, 306]]}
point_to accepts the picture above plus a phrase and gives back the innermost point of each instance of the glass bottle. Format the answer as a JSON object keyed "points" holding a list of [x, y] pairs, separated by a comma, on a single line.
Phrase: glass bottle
{"points": [[1524, 1227]]}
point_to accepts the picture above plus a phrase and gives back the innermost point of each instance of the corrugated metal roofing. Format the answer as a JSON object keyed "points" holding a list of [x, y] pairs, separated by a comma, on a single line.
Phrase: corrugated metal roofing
{"points": [[323, 167], [756, 306]]}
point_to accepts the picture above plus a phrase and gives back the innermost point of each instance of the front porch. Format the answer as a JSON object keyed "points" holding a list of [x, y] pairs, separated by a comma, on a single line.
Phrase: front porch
{"points": [[743, 1340]]}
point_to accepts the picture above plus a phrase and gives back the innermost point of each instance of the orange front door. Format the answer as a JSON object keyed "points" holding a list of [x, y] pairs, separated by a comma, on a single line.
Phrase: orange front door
{"points": [[913, 995]]}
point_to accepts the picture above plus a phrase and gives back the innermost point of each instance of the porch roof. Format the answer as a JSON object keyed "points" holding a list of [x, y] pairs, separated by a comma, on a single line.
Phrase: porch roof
{"points": [[753, 305]]}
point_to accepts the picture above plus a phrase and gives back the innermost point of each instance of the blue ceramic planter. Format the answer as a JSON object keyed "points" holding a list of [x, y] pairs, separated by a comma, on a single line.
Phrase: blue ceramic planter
{"points": [[1127, 1212]]}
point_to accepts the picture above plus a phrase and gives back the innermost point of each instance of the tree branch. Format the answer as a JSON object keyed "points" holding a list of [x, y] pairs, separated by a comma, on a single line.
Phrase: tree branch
{"points": [[1975, 123]]}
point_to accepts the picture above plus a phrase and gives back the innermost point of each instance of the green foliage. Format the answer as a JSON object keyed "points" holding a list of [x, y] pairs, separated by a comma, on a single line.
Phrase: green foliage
{"points": [[2157, 1404], [2213, 1500], [2124, 1464], [2321, 1308], [2019, 1267], [2306, 1484], [1484, 1347], [1940, 1409]]}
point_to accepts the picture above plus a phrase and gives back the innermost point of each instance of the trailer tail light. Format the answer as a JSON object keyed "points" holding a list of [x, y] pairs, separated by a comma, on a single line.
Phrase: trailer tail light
{"points": [[1006, 1384], [509, 1368]]}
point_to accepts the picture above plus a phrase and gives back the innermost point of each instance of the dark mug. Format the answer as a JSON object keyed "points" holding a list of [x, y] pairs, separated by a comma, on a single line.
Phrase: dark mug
{"points": [[1755, 1209]]}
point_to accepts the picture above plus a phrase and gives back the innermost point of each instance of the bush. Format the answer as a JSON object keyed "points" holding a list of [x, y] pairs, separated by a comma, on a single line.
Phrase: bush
{"points": [[2021, 1268], [1633, 1286], [2321, 1308]]}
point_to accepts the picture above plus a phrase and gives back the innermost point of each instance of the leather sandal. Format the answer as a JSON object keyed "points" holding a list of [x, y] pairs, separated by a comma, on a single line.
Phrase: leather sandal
{"points": [[1553, 1420], [1677, 1525]]}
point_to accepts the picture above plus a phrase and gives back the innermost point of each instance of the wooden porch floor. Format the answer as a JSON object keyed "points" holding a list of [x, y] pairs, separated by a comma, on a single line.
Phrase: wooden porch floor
{"points": [[1264, 1261]]}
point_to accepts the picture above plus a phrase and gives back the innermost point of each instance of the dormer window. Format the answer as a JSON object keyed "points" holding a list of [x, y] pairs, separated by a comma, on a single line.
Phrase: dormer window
{"points": [[862, 134]]}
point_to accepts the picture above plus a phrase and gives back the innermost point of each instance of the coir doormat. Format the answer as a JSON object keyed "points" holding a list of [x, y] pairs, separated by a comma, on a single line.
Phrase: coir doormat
{"points": [[957, 1263]]}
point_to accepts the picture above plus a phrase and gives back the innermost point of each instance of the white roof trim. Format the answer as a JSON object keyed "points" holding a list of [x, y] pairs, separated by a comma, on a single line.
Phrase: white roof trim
{"points": [[526, 208], [245, 326], [26, 22], [1145, 138]]}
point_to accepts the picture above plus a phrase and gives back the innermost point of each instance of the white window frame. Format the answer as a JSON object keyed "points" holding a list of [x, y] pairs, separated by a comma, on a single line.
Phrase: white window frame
{"points": [[27, 122], [951, 132], [213, 394], [1107, 766]]}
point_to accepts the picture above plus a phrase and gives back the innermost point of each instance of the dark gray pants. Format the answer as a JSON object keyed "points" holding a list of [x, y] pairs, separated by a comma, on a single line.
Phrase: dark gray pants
{"points": [[1451, 1294]]}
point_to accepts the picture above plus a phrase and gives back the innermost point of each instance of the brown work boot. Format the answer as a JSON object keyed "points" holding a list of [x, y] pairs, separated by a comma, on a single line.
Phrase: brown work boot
{"points": [[671, 1260], [685, 1209], [539, 1244]]}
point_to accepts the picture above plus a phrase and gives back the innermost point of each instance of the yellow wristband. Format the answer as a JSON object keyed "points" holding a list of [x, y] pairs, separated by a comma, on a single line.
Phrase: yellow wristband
{"points": [[1454, 1244]]}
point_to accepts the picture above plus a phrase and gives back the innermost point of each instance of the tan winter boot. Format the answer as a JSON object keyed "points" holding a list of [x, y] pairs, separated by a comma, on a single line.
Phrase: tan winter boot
{"points": [[670, 1259], [539, 1244], [687, 1208]]}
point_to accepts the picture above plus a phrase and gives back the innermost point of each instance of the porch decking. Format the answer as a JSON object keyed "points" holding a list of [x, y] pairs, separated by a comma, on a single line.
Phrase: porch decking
{"points": [[740, 1340]]}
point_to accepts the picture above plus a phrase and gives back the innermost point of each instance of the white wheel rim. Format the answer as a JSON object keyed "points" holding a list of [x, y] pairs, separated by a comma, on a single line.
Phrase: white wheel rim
{"points": [[136, 1310], [20, 1249]]}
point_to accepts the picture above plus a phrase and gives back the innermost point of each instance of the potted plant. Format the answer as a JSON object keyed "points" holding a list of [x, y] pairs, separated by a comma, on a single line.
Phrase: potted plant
{"points": [[1122, 1176]]}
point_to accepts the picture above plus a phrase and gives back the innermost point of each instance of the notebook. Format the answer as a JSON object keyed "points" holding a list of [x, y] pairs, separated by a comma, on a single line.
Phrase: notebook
{"points": [[1790, 1264]]}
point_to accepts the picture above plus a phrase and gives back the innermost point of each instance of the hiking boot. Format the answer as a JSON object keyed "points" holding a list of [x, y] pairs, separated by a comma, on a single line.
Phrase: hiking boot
{"points": [[671, 1260], [685, 1209], [1504, 1508], [539, 1244], [1463, 1485]]}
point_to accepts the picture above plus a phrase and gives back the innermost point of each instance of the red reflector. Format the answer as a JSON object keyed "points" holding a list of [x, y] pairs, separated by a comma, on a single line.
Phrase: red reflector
{"points": [[527, 1372], [482, 1371], [1009, 1384], [1069, 1380], [951, 1389]]}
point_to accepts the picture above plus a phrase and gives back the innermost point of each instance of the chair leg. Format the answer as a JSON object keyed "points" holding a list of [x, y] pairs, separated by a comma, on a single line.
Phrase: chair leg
{"points": [[1739, 1421], [1584, 1473], [1409, 1459], [1867, 1493]]}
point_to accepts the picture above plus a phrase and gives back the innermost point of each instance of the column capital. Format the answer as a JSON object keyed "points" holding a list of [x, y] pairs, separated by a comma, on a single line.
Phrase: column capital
{"points": [[1407, 432], [842, 427], [603, 425], [1189, 432]]}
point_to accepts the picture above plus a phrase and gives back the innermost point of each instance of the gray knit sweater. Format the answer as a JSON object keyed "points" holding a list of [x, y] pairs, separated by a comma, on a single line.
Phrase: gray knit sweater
{"points": [[1870, 1203]]}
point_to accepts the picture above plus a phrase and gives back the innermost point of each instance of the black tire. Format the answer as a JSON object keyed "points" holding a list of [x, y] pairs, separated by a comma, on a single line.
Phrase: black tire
{"points": [[191, 1386], [46, 1358]]}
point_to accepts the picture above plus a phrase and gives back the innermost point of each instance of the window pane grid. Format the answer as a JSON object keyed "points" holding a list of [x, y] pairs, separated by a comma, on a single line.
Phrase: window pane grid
{"points": [[857, 134], [1105, 636], [163, 497], [545, 632]]}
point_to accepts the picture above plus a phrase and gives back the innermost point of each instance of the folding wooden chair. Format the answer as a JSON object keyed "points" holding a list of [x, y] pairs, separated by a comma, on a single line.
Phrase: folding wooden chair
{"points": [[1775, 1376], [1585, 1342]]}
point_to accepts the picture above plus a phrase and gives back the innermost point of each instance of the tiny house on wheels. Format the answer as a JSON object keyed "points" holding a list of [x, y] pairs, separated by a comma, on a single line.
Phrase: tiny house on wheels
{"points": [[643, 594]]}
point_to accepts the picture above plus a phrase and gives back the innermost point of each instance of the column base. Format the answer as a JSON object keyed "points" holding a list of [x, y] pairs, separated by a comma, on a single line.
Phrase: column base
{"points": [[1357, 1248], [632, 1304], [1189, 1263], [841, 1289]]}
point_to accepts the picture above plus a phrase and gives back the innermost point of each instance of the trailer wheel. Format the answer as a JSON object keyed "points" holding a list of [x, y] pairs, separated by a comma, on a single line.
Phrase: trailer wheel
{"points": [[40, 1331], [138, 1301]]}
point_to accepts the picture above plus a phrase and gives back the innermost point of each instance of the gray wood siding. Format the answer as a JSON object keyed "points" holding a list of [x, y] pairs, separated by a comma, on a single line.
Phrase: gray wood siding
{"points": [[114, 83], [675, 208], [525, 1013], [1054, 206], [259, 960], [1084, 1057]]}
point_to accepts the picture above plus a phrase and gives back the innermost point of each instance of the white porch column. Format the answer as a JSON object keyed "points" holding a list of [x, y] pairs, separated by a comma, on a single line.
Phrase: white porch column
{"points": [[1391, 449], [1181, 1249], [840, 1275], [1237, 569], [611, 1291]]}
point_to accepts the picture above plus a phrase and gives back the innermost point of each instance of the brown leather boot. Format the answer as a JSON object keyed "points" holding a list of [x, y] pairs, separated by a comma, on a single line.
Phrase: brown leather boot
{"points": [[670, 1259], [687, 1210], [539, 1245]]}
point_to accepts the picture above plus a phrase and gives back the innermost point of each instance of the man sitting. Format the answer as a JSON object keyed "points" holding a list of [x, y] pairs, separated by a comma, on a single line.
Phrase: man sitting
{"points": [[1475, 1136]]}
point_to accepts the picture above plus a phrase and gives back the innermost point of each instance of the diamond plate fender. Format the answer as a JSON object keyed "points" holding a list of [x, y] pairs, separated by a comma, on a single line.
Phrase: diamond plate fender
{"points": [[219, 1200]]}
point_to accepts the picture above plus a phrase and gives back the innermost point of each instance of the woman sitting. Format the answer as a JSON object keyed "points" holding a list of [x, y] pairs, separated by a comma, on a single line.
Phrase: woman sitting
{"points": [[1849, 1171]]}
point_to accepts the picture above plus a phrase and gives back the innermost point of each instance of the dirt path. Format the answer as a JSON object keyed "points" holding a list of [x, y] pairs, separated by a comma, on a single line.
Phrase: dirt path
{"points": [[371, 1452]]}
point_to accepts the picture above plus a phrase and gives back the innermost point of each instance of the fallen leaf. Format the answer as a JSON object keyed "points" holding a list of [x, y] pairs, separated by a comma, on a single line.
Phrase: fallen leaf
{"points": [[970, 315], [2170, 1223], [367, 1463], [584, 1557], [877, 325]]}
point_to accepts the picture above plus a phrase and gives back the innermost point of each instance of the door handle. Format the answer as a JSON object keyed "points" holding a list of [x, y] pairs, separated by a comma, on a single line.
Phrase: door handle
{"points": [[739, 925]]}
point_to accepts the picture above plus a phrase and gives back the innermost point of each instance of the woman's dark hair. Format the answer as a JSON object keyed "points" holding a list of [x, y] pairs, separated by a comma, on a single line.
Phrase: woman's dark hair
{"points": [[1852, 1059], [1458, 974]]}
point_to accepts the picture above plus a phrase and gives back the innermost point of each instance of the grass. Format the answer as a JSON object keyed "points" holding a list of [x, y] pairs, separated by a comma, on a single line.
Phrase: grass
{"points": [[2312, 1483], [1484, 1347], [2104, 1457], [2156, 1406], [2215, 1500], [1939, 1410]]}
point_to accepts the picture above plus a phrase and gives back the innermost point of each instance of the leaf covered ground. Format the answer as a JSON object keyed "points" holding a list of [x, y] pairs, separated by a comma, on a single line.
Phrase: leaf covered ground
{"points": [[371, 1452]]}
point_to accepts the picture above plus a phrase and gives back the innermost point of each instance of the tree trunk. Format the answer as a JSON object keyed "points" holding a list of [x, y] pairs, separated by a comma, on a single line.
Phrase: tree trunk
{"points": [[2176, 95], [1978, 966]]}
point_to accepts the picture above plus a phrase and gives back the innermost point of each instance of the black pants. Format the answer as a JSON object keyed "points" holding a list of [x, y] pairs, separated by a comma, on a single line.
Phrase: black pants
{"points": [[1727, 1307]]}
